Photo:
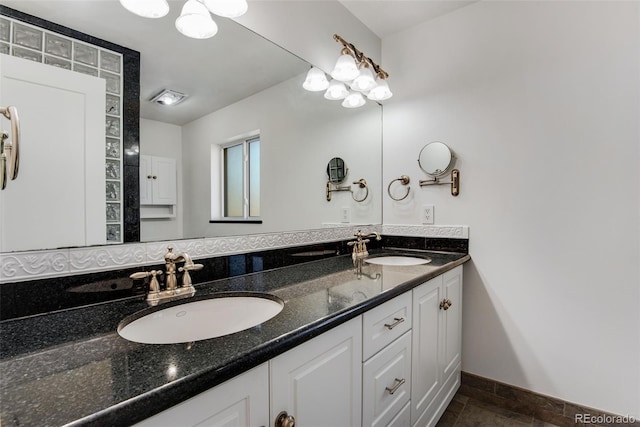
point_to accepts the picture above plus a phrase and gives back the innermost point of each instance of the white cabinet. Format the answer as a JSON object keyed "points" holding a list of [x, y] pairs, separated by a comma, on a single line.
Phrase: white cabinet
{"points": [[386, 383], [319, 382], [158, 187], [58, 198], [437, 320], [396, 365], [241, 401]]}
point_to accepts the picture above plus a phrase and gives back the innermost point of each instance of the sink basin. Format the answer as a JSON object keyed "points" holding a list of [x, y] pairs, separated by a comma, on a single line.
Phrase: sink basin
{"points": [[202, 319], [397, 260]]}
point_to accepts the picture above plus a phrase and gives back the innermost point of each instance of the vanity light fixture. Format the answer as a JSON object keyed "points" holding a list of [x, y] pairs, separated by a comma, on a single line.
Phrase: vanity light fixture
{"points": [[168, 97], [358, 72], [195, 19]]}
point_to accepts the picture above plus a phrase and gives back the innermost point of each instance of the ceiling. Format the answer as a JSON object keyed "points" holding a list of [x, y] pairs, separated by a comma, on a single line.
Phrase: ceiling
{"points": [[203, 68], [386, 17]]}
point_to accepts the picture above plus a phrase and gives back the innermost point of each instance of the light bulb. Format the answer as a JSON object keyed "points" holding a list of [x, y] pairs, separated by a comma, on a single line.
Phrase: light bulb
{"points": [[316, 80], [365, 81], [345, 69], [195, 21], [381, 91], [336, 91], [353, 100], [147, 8]]}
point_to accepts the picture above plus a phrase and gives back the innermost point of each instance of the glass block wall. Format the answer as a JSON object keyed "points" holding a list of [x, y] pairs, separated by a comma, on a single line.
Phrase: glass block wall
{"points": [[36, 44]]}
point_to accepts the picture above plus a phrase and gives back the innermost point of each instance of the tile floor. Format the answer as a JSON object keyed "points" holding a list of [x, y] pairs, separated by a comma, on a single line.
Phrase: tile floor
{"points": [[464, 411]]}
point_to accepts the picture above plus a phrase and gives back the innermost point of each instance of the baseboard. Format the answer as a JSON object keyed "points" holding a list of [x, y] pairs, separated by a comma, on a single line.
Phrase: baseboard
{"points": [[541, 407]]}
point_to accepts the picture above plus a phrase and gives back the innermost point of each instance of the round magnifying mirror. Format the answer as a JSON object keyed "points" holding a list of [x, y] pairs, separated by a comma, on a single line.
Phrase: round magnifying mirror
{"points": [[435, 158], [337, 170]]}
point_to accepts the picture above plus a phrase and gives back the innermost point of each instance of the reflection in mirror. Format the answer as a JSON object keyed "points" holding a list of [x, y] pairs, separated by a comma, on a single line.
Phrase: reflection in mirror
{"points": [[435, 158], [297, 130], [337, 170]]}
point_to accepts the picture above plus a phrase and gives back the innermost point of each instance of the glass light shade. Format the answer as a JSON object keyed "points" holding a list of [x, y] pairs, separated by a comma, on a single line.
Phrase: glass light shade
{"points": [[336, 91], [227, 8], [147, 8], [353, 100], [195, 21], [345, 69], [316, 80], [381, 91], [365, 81]]}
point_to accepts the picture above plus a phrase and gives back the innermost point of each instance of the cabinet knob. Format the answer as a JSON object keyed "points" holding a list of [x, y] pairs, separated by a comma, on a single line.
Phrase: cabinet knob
{"points": [[284, 420], [397, 321], [149, 176], [445, 304]]}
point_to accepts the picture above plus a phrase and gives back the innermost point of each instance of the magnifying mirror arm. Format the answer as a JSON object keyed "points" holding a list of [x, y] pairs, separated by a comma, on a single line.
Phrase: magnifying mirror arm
{"points": [[455, 182], [361, 183]]}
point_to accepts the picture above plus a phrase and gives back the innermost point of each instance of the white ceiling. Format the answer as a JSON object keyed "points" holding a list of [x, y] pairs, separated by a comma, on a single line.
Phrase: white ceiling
{"points": [[386, 17], [203, 69]]}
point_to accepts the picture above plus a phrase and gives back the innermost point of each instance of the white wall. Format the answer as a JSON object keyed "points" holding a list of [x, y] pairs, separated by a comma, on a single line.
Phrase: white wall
{"points": [[540, 101], [300, 132], [163, 140]]}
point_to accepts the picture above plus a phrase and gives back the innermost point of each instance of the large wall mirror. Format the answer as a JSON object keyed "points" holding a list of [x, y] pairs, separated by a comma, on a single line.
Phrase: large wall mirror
{"points": [[247, 86]]}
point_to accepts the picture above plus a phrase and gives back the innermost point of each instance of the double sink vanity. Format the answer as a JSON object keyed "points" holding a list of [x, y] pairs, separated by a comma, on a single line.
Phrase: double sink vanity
{"points": [[318, 343]]}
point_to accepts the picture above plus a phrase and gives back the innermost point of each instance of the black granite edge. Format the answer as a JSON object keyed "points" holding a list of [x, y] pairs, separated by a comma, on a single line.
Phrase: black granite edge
{"points": [[162, 398], [130, 115]]}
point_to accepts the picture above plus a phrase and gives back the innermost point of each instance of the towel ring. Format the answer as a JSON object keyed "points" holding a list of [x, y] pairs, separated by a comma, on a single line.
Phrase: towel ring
{"points": [[404, 180], [362, 184]]}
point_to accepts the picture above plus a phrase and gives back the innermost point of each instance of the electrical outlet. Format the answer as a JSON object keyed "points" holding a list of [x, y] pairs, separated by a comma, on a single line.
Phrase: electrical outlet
{"points": [[345, 215], [427, 214]]}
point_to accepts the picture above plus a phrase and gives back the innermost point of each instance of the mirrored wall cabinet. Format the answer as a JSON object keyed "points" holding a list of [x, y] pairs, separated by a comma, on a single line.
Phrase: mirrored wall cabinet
{"points": [[158, 187]]}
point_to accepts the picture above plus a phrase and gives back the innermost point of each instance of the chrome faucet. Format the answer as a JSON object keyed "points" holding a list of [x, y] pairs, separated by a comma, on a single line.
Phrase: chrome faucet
{"points": [[171, 289], [360, 252]]}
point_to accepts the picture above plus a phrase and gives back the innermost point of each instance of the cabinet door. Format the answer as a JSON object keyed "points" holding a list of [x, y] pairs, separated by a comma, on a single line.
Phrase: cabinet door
{"points": [[426, 377], [164, 186], [240, 402], [319, 382], [452, 322], [58, 198], [146, 179]]}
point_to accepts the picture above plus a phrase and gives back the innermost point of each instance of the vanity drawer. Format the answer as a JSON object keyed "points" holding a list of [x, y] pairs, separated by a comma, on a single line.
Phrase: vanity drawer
{"points": [[385, 323], [386, 383]]}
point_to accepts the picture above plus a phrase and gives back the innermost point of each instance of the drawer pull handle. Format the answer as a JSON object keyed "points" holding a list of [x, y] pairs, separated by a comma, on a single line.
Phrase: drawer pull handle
{"points": [[396, 386], [445, 304], [398, 320]]}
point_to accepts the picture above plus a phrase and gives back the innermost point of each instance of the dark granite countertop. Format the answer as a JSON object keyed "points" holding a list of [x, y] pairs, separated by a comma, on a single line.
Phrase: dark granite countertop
{"points": [[71, 367]]}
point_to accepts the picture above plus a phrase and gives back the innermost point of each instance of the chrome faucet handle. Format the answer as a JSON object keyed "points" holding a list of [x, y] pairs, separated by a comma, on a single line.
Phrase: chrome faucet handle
{"points": [[154, 286], [186, 277]]}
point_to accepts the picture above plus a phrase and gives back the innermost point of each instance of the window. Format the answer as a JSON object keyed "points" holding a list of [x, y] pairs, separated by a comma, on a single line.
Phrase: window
{"points": [[241, 179]]}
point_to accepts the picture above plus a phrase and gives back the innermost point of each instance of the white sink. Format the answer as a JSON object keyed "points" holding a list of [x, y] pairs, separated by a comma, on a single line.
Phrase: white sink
{"points": [[397, 260], [200, 320]]}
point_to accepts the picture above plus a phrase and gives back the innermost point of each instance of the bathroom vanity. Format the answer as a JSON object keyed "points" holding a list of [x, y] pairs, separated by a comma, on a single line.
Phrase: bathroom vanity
{"points": [[377, 348]]}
